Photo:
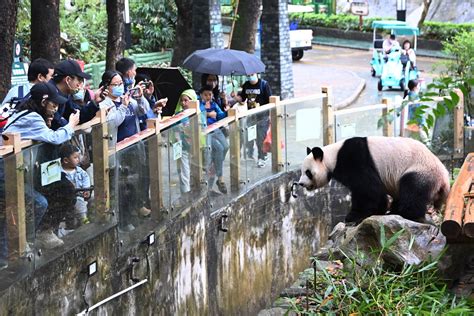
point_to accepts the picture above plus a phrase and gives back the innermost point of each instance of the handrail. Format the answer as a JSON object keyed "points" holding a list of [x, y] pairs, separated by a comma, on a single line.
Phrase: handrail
{"points": [[129, 141], [221, 123], [172, 120], [5, 150], [87, 125], [256, 110], [315, 96], [361, 109]]}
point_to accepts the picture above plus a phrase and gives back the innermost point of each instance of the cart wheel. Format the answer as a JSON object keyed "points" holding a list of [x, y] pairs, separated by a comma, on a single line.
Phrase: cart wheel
{"points": [[379, 85], [297, 54], [402, 84]]}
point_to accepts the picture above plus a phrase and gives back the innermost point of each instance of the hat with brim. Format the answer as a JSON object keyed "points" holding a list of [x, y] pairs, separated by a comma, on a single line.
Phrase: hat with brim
{"points": [[70, 68], [46, 91]]}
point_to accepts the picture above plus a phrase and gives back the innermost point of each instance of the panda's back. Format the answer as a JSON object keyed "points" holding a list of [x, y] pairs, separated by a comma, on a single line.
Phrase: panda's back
{"points": [[396, 156]]}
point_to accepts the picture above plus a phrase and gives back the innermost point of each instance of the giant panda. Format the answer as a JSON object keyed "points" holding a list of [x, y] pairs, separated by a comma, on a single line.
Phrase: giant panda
{"points": [[374, 167]]}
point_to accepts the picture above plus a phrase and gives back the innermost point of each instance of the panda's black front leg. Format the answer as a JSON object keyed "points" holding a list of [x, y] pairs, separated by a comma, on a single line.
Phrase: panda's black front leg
{"points": [[365, 205]]}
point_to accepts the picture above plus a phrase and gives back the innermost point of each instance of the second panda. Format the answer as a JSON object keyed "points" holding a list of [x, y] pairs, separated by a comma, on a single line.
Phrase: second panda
{"points": [[374, 167]]}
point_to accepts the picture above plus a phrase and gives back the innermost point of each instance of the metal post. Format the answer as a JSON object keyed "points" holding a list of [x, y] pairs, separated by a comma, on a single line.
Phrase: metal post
{"points": [[15, 196], [458, 145], [328, 116]]}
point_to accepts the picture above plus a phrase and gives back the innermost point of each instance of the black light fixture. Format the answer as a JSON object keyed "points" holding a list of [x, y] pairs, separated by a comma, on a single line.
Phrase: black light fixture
{"points": [[150, 239], [92, 268]]}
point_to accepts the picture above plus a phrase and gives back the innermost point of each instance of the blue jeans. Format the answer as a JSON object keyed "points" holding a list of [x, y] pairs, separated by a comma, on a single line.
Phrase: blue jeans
{"points": [[219, 146]]}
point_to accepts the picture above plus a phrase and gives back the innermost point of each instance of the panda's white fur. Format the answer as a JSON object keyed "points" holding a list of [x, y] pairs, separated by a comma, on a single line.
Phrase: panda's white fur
{"points": [[398, 162]]}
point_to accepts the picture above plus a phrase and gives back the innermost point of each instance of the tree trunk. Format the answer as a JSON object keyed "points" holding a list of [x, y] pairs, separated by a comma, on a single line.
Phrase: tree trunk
{"points": [[7, 36], [45, 34], [424, 13], [246, 25], [115, 33], [184, 32]]}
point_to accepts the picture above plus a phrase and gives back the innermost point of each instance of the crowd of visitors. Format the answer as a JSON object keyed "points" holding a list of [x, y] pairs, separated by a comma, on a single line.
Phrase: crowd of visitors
{"points": [[58, 98]]}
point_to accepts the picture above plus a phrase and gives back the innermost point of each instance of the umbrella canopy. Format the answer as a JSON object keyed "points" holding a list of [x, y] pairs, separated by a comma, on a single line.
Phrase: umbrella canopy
{"points": [[224, 62], [169, 83]]}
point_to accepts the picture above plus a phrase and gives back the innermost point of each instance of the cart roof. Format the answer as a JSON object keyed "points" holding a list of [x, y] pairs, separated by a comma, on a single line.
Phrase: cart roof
{"points": [[398, 27], [294, 8]]}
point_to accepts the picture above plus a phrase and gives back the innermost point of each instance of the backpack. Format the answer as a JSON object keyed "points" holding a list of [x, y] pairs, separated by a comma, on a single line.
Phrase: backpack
{"points": [[7, 109]]}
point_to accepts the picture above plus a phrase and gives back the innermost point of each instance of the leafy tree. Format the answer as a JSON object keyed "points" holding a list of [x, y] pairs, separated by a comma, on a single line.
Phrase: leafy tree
{"points": [[7, 35], [154, 24], [115, 32], [246, 25], [184, 32], [45, 29]]}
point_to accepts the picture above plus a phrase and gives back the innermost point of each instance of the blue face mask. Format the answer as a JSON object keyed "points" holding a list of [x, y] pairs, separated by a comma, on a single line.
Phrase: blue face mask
{"points": [[118, 91], [79, 95], [252, 78]]}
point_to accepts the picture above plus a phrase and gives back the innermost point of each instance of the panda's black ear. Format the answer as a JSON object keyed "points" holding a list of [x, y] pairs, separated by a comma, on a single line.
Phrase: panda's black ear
{"points": [[317, 153], [308, 150]]}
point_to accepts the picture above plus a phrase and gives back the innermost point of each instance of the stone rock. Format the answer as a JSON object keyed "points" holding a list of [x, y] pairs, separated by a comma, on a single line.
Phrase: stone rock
{"points": [[415, 244], [276, 311]]}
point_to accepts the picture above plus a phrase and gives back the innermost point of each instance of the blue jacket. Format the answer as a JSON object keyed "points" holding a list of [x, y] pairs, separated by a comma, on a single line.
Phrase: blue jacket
{"points": [[32, 126], [214, 107]]}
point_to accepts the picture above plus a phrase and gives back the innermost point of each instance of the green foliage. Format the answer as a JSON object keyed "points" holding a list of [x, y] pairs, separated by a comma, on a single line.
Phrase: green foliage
{"points": [[154, 24], [430, 30], [374, 289]]}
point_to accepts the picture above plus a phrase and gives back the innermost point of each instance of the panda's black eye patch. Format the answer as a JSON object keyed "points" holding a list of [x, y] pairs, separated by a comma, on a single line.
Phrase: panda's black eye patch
{"points": [[309, 174]]}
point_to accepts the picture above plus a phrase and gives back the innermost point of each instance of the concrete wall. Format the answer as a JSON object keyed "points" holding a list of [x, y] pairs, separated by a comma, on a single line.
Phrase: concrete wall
{"points": [[194, 268]]}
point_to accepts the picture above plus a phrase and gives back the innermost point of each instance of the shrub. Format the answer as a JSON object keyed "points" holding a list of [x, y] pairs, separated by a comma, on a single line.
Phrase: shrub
{"points": [[430, 30]]}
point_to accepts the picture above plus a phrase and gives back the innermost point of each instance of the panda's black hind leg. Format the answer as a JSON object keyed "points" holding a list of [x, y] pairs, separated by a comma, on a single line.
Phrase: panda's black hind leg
{"points": [[413, 197]]}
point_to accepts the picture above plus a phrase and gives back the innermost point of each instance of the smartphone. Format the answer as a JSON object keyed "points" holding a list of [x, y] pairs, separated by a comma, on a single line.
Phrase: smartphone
{"points": [[134, 92]]}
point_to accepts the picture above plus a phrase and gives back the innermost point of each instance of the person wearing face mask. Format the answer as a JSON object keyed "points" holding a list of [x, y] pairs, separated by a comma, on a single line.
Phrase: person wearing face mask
{"points": [[69, 79], [217, 96], [32, 120], [40, 70], [256, 92], [122, 118]]}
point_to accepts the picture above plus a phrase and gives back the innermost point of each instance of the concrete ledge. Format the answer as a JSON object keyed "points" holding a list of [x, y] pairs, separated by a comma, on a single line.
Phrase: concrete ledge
{"points": [[349, 100]]}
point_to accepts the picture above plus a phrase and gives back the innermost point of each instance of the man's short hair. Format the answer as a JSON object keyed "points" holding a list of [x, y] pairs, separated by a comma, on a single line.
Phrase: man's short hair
{"points": [[37, 67], [205, 88], [124, 65], [66, 150], [392, 36]]}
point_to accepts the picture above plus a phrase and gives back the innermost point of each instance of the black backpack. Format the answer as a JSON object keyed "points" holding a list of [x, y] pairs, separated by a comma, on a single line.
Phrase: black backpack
{"points": [[7, 109]]}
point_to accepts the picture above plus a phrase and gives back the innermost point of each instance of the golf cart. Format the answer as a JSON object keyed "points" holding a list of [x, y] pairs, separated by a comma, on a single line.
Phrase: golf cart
{"points": [[394, 69], [300, 40]]}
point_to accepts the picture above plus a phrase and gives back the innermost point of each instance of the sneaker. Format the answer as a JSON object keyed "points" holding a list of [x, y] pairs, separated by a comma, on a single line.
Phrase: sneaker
{"points": [[221, 186], [144, 212], [261, 163], [47, 239], [63, 232]]}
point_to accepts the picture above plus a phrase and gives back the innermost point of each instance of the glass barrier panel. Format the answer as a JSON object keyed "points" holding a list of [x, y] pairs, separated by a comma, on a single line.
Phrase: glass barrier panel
{"points": [[133, 191], [357, 123], [303, 128], [217, 166], [468, 139], [256, 147], [16, 225]]}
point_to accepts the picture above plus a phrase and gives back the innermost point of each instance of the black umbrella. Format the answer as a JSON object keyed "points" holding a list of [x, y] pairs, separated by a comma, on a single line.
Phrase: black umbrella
{"points": [[224, 62], [169, 83]]}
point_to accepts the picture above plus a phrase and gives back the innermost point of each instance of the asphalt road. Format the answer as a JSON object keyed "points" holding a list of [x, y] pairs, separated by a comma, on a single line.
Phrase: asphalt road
{"points": [[340, 67]]}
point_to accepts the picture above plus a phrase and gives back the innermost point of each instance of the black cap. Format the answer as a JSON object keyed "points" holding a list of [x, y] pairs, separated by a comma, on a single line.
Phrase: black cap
{"points": [[70, 68], [46, 91]]}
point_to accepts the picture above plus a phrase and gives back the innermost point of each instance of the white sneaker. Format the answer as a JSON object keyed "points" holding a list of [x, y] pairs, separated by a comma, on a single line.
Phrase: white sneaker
{"points": [[261, 163], [47, 239], [63, 232]]}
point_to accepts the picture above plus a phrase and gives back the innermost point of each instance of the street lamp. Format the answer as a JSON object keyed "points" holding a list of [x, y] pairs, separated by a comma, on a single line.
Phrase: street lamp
{"points": [[401, 10]]}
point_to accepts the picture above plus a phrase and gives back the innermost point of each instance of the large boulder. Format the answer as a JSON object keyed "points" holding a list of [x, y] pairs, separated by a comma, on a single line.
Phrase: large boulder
{"points": [[390, 238]]}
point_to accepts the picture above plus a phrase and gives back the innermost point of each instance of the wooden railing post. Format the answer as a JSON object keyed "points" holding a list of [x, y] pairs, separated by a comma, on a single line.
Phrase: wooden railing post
{"points": [[328, 116], [100, 156], [155, 169], [388, 126], [234, 137], [458, 145], [195, 155], [14, 171], [275, 115]]}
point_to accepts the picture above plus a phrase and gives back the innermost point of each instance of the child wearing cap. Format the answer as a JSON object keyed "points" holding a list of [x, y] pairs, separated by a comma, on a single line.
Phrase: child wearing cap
{"points": [[70, 159]]}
